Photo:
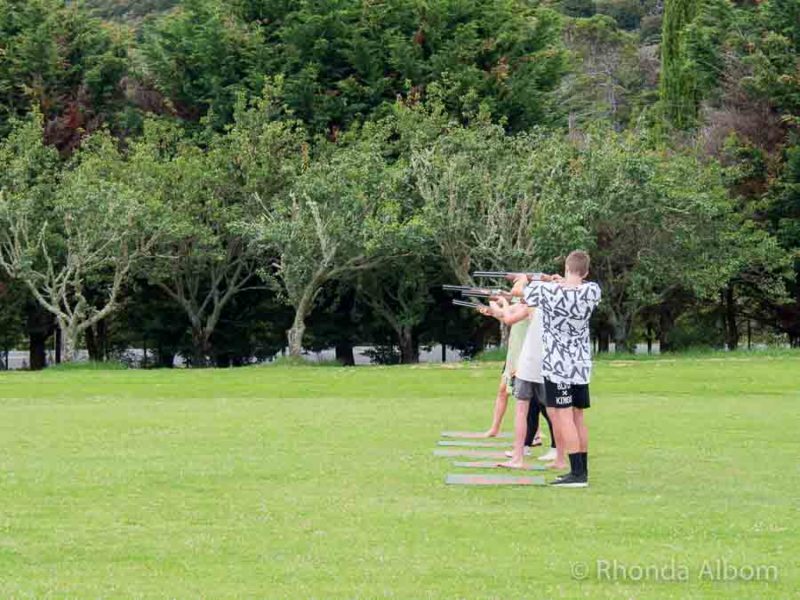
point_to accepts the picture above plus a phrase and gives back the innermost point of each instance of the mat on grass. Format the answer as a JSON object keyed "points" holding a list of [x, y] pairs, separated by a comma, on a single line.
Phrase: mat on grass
{"points": [[467, 444], [471, 435], [488, 464], [493, 480], [470, 453]]}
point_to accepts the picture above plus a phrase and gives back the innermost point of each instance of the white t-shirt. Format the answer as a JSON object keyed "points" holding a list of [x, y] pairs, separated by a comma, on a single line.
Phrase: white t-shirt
{"points": [[529, 366], [565, 316]]}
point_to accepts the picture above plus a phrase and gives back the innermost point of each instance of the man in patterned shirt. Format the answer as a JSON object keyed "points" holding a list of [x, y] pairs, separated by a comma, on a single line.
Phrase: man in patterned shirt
{"points": [[566, 304]]}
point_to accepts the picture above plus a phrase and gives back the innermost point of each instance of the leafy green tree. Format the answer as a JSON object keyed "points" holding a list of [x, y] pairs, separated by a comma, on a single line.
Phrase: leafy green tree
{"points": [[12, 317], [608, 80], [63, 62], [343, 215], [60, 239], [627, 13], [399, 295], [578, 8], [347, 60], [479, 189], [678, 86], [653, 221], [784, 215], [202, 58], [202, 262]]}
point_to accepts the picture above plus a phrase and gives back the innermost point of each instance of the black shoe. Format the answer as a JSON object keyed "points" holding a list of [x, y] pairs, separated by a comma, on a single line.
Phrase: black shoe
{"points": [[570, 480]]}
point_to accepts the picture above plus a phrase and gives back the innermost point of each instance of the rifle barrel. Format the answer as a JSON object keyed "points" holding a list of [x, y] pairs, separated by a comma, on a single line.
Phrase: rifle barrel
{"points": [[455, 288], [475, 305], [484, 293], [491, 273], [504, 274]]}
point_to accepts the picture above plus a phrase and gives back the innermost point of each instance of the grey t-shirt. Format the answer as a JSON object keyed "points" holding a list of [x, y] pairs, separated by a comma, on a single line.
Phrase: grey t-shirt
{"points": [[565, 319]]}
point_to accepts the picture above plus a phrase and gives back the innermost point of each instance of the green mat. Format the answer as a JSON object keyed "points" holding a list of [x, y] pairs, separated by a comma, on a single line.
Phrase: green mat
{"points": [[493, 480]]}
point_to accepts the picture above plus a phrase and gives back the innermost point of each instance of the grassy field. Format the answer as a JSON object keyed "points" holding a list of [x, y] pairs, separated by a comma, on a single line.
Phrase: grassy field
{"points": [[303, 482]]}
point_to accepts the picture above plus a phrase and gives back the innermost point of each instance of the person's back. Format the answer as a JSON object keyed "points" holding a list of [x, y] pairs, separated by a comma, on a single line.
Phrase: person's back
{"points": [[566, 312]]}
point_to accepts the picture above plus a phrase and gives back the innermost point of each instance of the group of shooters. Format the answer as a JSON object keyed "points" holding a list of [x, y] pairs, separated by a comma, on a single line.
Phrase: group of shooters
{"points": [[548, 363]]}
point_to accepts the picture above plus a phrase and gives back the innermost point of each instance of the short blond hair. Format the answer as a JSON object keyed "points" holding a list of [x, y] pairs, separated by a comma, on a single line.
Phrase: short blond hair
{"points": [[578, 263]]}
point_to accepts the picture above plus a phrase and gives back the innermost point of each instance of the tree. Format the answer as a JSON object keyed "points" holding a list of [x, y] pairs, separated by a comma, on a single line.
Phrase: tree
{"points": [[343, 215], [347, 61], [399, 295], [12, 318], [89, 230], [678, 86], [607, 77], [479, 192], [68, 65], [202, 57], [203, 263], [654, 222]]}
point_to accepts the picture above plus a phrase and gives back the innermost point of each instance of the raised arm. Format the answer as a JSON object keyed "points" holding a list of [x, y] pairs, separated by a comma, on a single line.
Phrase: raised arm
{"points": [[509, 313]]}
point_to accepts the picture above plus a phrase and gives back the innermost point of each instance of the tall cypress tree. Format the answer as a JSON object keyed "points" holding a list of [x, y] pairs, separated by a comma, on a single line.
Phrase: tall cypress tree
{"points": [[678, 89]]}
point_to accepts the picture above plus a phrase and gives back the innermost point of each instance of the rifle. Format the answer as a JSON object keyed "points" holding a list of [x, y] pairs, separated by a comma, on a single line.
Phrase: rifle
{"points": [[474, 305], [457, 288], [479, 293], [468, 289], [505, 275]]}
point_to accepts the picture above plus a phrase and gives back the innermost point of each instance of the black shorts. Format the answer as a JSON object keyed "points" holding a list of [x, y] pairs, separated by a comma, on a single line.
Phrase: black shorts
{"points": [[528, 390], [566, 395]]}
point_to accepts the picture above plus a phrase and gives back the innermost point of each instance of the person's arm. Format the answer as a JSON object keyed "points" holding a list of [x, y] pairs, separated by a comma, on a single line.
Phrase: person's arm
{"points": [[522, 281], [509, 313]]}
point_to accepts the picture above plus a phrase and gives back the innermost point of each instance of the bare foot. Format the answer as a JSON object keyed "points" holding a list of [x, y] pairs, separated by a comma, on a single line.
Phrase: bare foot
{"points": [[557, 466], [490, 434], [512, 464]]}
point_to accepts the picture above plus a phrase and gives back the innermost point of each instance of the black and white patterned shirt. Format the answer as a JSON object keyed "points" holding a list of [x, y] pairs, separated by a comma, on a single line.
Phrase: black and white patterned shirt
{"points": [[565, 314]]}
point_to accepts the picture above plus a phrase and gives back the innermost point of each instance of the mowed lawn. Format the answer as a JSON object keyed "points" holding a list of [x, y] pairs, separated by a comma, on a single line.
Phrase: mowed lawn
{"points": [[313, 482]]}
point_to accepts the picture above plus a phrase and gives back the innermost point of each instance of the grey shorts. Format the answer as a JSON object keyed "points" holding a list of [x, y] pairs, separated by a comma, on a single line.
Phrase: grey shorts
{"points": [[526, 391]]}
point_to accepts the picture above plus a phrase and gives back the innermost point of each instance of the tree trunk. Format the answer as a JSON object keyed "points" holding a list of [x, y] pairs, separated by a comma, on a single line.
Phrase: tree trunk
{"points": [[295, 334], [344, 354], [37, 352], [749, 335], [58, 344], [92, 346], [666, 323], [622, 331], [164, 359], [409, 350], [69, 341], [201, 346], [603, 340], [731, 328]]}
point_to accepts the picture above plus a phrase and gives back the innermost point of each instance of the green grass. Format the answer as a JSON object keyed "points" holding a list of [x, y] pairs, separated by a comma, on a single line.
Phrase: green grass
{"points": [[303, 482], [89, 366]]}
